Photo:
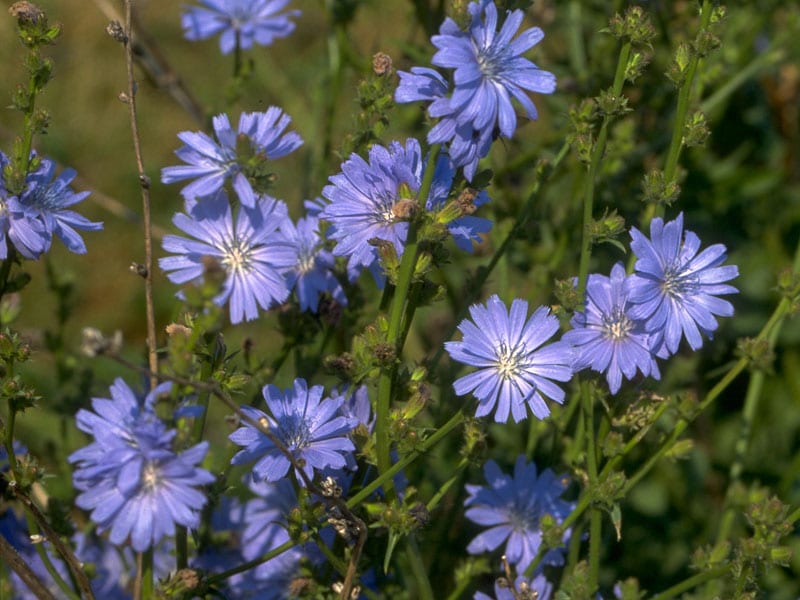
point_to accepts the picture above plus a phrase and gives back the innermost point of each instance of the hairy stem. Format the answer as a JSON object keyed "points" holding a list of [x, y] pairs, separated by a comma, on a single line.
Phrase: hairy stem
{"points": [[591, 173], [398, 312]]}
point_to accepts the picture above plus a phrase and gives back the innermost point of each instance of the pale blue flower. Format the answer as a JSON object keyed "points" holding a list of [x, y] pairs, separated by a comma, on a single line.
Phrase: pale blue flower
{"points": [[210, 163], [309, 427], [130, 478], [605, 335], [249, 247], [247, 22], [512, 509], [675, 286], [515, 368]]}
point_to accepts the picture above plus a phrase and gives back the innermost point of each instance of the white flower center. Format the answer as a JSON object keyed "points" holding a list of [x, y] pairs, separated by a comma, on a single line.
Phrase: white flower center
{"points": [[510, 360], [617, 326], [237, 257]]}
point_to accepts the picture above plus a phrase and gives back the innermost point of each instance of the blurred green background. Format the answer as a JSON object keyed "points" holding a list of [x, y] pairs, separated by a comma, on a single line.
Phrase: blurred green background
{"points": [[742, 189]]}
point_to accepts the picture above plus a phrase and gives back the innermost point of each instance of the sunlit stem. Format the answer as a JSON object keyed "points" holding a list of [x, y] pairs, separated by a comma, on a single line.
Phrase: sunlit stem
{"points": [[397, 313]]}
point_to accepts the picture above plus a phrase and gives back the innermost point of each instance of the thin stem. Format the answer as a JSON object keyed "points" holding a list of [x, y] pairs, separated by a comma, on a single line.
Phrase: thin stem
{"points": [[181, 547], [144, 586], [591, 175], [63, 550], [420, 571], [677, 142], [751, 404], [144, 184], [219, 577], [401, 464], [518, 227], [20, 567], [397, 312], [595, 516], [437, 497], [692, 582]]}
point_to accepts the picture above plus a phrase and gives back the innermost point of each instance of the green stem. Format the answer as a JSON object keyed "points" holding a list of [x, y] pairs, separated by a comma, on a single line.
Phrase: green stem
{"points": [[144, 587], [595, 530], [41, 550], [420, 571], [591, 174], [577, 49], [751, 404], [484, 273], [437, 497], [692, 582], [220, 577], [684, 97], [394, 335], [401, 464], [181, 547]]}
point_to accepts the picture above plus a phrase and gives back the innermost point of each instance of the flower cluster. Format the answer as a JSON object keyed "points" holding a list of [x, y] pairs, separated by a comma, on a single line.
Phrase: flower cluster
{"points": [[488, 70], [627, 322], [129, 477], [240, 23], [513, 507], [29, 220], [630, 320]]}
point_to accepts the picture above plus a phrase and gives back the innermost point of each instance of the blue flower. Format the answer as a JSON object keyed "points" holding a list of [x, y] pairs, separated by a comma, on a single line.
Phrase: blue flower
{"points": [[606, 336], [250, 248], [364, 201], [18, 224], [512, 508], [49, 199], [537, 588], [251, 21], [514, 369], [305, 423], [674, 288], [212, 163], [313, 274], [490, 69], [130, 478]]}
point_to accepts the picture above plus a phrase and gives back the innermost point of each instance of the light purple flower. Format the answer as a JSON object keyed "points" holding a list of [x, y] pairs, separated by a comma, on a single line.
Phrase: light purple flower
{"points": [[306, 424], [606, 337], [247, 22], [213, 162], [48, 198], [364, 198], [130, 478], [512, 508], [250, 248], [675, 286], [313, 274], [515, 368]]}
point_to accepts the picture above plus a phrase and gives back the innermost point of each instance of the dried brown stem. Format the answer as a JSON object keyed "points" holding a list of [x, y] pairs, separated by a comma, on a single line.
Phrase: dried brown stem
{"points": [[21, 568], [155, 65], [65, 551], [144, 184]]}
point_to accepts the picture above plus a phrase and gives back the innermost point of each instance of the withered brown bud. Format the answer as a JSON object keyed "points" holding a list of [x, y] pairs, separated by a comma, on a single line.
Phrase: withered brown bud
{"points": [[117, 32], [27, 13], [405, 209], [382, 64], [466, 200]]}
